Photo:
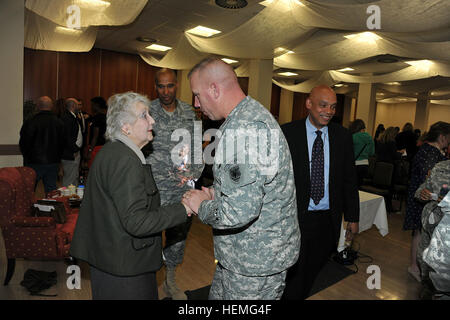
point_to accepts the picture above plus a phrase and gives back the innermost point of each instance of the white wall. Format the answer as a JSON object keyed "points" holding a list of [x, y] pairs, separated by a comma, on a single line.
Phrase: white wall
{"points": [[438, 113], [397, 114], [11, 76]]}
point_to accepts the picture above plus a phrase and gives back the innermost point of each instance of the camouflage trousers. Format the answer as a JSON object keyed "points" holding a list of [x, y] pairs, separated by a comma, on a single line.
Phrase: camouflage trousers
{"points": [[176, 243], [228, 285]]}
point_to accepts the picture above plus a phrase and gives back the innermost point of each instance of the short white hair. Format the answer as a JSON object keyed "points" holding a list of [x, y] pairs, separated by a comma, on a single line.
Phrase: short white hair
{"points": [[121, 110]]}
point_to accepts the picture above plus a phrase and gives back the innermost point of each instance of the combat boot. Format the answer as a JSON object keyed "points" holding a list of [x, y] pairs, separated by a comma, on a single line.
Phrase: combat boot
{"points": [[170, 286]]}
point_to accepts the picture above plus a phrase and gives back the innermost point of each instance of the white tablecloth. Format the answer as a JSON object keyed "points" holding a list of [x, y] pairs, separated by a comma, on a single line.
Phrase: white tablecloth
{"points": [[372, 212]]}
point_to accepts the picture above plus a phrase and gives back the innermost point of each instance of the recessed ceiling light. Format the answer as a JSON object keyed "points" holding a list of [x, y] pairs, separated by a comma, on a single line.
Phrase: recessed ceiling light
{"points": [[346, 69], [92, 4], [420, 63], [64, 30], [229, 61], [288, 74], [158, 47], [395, 83], [338, 85], [203, 31], [368, 37], [281, 49]]}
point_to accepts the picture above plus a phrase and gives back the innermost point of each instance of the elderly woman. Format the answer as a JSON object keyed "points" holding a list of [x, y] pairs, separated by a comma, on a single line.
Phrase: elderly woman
{"points": [[120, 222]]}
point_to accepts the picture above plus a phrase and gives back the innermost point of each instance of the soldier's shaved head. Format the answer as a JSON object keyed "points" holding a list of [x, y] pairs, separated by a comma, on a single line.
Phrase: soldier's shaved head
{"points": [[216, 88]]}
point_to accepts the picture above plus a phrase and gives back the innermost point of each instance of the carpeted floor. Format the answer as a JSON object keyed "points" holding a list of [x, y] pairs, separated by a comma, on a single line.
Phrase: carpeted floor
{"points": [[332, 273]]}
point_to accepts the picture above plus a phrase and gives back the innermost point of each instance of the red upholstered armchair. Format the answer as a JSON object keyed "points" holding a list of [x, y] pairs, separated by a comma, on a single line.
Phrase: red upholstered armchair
{"points": [[26, 236]]}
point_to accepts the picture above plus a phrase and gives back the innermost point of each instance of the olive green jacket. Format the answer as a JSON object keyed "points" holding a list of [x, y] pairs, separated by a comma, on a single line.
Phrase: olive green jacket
{"points": [[120, 222]]}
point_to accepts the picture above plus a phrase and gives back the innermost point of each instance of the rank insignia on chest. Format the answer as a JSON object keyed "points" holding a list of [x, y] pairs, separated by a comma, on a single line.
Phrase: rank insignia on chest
{"points": [[235, 173]]}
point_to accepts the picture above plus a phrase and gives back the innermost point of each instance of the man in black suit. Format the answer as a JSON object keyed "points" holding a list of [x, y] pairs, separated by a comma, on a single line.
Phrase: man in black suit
{"points": [[74, 140], [42, 142], [325, 179]]}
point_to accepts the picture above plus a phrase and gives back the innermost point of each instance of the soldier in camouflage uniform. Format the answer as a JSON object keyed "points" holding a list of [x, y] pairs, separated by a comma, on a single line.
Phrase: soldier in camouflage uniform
{"points": [[437, 255], [431, 214], [252, 207], [172, 178]]}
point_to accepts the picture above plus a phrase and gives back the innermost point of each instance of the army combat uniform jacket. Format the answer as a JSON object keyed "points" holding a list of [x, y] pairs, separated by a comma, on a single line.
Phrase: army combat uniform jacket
{"points": [[432, 213], [164, 169], [254, 211]]}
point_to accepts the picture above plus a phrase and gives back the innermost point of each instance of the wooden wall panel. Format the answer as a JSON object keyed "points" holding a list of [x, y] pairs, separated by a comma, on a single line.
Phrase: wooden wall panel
{"points": [[243, 82], [299, 110], [39, 74], [146, 79], [275, 101], [79, 76], [118, 73]]}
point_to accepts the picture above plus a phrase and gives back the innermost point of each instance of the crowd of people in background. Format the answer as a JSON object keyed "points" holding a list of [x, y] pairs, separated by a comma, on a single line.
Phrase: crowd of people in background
{"points": [[428, 173], [61, 141]]}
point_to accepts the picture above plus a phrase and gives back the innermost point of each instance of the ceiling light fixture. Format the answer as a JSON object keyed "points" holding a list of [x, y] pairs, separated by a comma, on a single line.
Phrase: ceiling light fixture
{"points": [[338, 85], [288, 74], [346, 69], [229, 61], [280, 5], [394, 83], [93, 4], [158, 47], [281, 49], [367, 37], [68, 31], [423, 64], [232, 4], [203, 31]]}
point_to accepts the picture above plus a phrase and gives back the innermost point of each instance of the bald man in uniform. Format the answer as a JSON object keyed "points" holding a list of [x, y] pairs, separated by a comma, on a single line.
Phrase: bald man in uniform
{"points": [[326, 184], [252, 206]]}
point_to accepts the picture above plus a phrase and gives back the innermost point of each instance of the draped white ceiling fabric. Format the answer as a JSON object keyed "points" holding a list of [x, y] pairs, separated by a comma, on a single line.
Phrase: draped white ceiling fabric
{"points": [[58, 26], [323, 35], [92, 12], [43, 34], [183, 58]]}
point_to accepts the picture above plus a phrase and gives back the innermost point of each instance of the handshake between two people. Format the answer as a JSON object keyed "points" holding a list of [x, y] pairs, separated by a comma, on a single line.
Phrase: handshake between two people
{"points": [[192, 199]]}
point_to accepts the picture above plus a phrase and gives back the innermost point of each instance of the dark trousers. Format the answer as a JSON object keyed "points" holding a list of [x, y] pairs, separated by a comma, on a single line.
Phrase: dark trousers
{"points": [[48, 173], [362, 171], [106, 286], [317, 244]]}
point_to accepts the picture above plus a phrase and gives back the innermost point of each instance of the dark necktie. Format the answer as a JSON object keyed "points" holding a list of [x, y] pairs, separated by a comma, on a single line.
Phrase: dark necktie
{"points": [[317, 181]]}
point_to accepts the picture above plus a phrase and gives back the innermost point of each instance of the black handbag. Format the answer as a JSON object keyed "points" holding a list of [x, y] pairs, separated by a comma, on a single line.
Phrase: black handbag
{"points": [[57, 210], [36, 281]]}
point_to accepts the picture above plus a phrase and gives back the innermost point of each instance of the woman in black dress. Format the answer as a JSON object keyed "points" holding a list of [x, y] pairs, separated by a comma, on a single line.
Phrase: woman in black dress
{"points": [[430, 153]]}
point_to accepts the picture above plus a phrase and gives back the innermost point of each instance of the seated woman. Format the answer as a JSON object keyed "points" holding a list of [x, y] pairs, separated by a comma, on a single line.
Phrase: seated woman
{"points": [[120, 222]]}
